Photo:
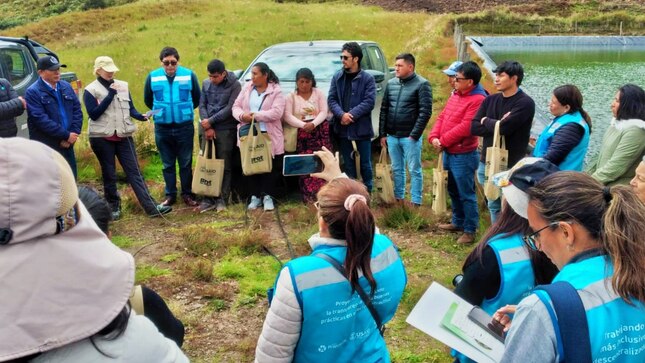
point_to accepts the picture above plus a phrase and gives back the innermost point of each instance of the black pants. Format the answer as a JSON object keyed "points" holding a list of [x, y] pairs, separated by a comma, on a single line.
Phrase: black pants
{"points": [[106, 151], [268, 183]]}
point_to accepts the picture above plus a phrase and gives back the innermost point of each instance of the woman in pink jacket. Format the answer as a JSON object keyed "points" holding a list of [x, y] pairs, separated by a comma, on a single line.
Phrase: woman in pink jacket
{"points": [[262, 98], [306, 109]]}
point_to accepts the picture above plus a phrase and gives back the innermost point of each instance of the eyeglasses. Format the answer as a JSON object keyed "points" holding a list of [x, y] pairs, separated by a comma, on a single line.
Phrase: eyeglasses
{"points": [[529, 239], [345, 57], [169, 63], [460, 79]]}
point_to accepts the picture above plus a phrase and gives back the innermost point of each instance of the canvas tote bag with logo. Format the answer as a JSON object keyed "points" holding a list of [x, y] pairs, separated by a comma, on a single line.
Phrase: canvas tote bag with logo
{"points": [[209, 172], [496, 161], [255, 151], [383, 178], [439, 187]]}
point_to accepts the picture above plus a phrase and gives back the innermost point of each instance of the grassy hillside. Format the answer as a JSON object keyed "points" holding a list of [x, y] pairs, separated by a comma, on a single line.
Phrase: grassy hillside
{"points": [[212, 267]]}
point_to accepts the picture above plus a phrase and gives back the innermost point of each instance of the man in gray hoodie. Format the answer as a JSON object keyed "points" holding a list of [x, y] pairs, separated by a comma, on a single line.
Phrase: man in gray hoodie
{"points": [[219, 92]]}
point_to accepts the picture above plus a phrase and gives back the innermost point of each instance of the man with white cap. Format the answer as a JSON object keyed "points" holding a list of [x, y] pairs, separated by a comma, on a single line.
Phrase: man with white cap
{"points": [[54, 115], [110, 111], [64, 285]]}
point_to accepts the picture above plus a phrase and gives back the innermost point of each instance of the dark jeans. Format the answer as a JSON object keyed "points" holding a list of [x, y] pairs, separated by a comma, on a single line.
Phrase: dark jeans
{"points": [[267, 183], [225, 144], [364, 148], [175, 144], [69, 155], [124, 150], [461, 188]]}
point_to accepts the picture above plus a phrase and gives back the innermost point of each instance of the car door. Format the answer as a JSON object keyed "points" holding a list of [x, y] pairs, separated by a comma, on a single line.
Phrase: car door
{"points": [[373, 59], [18, 68]]}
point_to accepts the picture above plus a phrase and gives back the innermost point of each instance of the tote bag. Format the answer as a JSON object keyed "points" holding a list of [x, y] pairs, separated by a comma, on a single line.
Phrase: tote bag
{"points": [[439, 187], [383, 178], [209, 172], [290, 132], [255, 151], [496, 161]]}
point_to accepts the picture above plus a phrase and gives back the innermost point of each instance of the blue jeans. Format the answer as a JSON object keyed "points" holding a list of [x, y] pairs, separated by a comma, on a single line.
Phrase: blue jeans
{"points": [[175, 144], [364, 148], [106, 151], [404, 150], [461, 188], [494, 206]]}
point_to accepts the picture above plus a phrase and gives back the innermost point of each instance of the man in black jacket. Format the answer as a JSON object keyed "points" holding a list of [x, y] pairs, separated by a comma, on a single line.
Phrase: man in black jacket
{"points": [[219, 92], [11, 106], [515, 110], [405, 111]]}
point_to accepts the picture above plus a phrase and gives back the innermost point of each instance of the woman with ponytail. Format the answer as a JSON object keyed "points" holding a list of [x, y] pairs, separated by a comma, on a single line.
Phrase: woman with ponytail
{"points": [[623, 144], [317, 313], [565, 140], [594, 235], [262, 99]]}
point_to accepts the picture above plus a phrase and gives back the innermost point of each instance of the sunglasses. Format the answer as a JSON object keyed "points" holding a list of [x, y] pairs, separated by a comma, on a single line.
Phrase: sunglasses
{"points": [[169, 63], [344, 57], [530, 239], [460, 79]]}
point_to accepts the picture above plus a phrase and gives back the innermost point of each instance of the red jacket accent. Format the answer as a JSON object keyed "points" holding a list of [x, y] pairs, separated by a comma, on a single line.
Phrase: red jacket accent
{"points": [[452, 127]]}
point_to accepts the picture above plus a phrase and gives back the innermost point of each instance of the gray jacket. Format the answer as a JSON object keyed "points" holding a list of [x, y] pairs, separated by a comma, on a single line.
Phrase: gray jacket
{"points": [[10, 108], [216, 102]]}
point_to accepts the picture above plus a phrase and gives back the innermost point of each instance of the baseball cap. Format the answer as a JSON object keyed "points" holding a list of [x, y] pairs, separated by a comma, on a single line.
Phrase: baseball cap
{"points": [[62, 280], [452, 70], [105, 63], [49, 62], [525, 174]]}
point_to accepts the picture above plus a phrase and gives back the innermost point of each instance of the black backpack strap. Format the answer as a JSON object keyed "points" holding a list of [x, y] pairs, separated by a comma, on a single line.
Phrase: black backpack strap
{"points": [[572, 321], [359, 290]]}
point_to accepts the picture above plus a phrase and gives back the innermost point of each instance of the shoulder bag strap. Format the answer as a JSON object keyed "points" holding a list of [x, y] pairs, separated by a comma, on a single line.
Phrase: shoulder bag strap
{"points": [[572, 321], [359, 290]]}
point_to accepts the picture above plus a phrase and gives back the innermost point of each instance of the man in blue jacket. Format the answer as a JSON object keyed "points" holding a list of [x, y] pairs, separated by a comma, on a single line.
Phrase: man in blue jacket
{"points": [[352, 95], [54, 115]]}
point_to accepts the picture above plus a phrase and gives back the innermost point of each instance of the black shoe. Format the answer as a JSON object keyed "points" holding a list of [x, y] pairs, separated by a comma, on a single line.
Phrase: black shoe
{"points": [[161, 210], [169, 201], [189, 200]]}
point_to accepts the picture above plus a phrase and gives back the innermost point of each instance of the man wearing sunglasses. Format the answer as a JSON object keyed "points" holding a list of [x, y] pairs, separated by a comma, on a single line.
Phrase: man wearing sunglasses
{"points": [[172, 92], [451, 135], [352, 95]]}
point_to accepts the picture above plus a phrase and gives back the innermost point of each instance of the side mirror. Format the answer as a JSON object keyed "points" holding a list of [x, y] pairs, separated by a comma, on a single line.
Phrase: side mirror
{"points": [[378, 76]]}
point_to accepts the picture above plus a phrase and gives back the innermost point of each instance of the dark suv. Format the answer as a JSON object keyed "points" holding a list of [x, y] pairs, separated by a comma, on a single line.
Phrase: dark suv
{"points": [[323, 58]]}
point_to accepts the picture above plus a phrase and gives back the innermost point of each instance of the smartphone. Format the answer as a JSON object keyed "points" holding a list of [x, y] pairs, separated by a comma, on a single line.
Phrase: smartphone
{"points": [[485, 321], [301, 164]]}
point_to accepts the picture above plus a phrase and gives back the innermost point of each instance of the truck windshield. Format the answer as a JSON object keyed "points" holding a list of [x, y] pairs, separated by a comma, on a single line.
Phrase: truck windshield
{"points": [[285, 63]]}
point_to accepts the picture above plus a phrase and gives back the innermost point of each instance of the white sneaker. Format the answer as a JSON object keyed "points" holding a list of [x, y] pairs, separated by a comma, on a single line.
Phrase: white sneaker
{"points": [[255, 203], [268, 203]]}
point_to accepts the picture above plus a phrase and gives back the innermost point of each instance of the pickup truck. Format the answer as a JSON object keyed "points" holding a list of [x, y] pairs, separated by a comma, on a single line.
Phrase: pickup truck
{"points": [[18, 58], [322, 57]]}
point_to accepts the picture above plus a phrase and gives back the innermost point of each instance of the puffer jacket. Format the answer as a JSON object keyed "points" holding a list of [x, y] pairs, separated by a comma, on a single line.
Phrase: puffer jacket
{"points": [[10, 108], [452, 127], [406, 107]]}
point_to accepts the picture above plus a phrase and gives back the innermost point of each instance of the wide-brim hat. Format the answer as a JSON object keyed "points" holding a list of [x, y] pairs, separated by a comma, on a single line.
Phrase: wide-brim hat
{"points": [[516, 182], [61, 278]]}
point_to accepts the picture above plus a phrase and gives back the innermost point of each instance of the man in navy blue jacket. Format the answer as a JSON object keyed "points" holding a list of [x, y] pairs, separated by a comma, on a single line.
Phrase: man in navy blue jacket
{"points": [[352, 95], [54, 115]]}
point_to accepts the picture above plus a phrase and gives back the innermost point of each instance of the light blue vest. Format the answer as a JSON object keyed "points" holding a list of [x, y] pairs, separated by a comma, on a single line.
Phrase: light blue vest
{"points": [[336, 324], [173, 99], [516, 275], [576, 156], [616, 329], [516, 272]]}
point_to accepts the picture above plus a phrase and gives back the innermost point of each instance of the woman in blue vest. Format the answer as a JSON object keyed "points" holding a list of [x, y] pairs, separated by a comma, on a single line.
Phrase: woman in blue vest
{"points": [[565, 140], [316, 314], [594, 235], [502, 270]]}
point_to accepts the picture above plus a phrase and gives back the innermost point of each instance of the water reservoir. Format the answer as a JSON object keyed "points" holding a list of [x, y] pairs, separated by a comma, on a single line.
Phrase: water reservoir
{"points": [[597, 65]]}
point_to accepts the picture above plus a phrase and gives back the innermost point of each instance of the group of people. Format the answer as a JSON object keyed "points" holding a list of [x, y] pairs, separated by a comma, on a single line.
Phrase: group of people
{"points": [[569, 232]]}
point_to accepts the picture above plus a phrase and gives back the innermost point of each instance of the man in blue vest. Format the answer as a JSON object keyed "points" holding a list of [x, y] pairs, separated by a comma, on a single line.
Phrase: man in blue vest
{"points": [[54, 115], [172, 92]]}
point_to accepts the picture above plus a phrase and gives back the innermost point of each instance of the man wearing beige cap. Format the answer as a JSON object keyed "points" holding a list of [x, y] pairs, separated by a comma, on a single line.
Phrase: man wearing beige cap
{"points": [[54, 115], [110, 112]]}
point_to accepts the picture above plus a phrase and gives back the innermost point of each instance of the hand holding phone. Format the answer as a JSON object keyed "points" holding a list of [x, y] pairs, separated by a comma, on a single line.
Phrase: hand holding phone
{"points": [[301, 165], [485, 321]]}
